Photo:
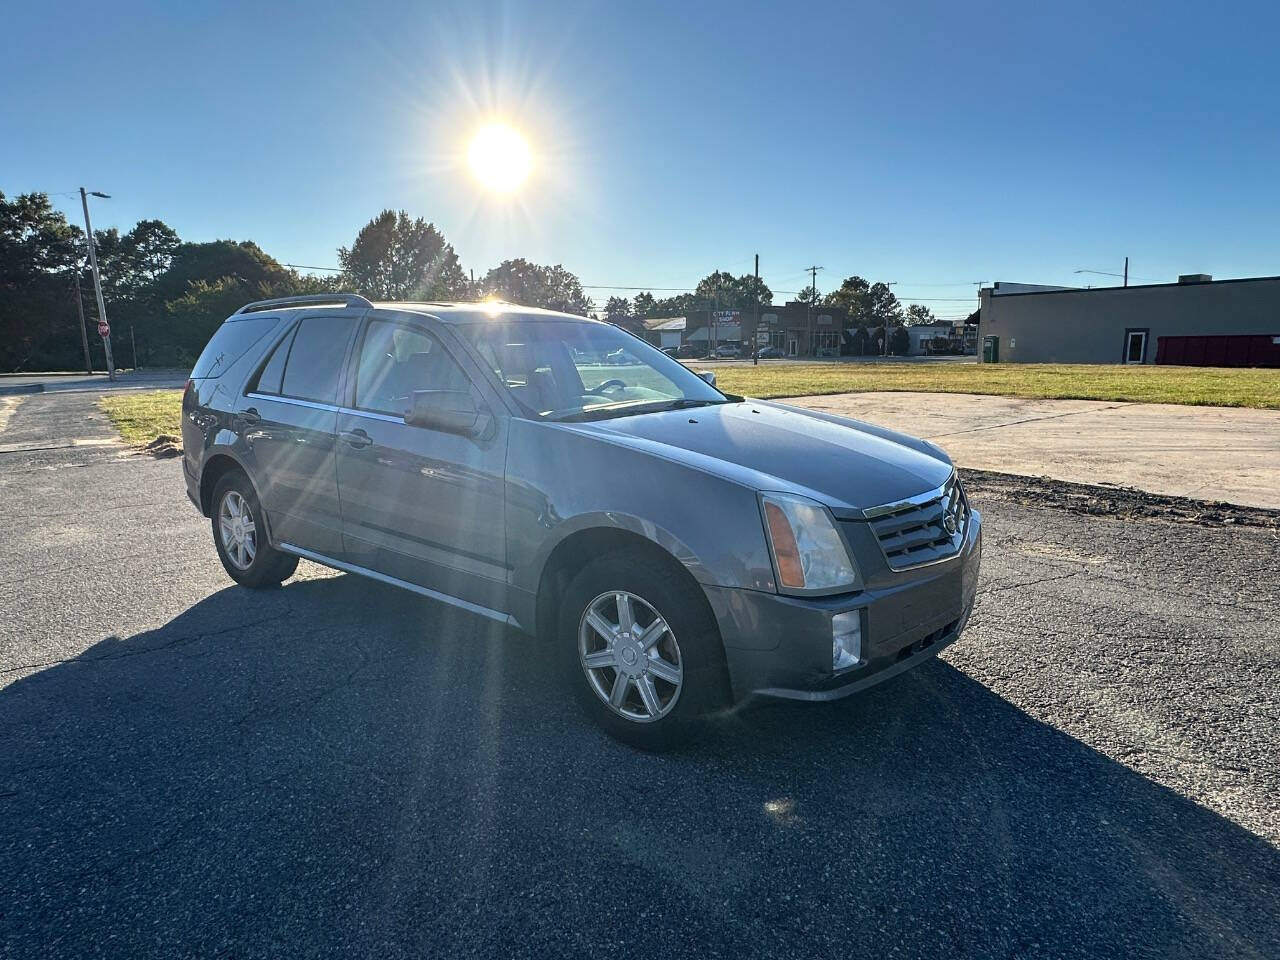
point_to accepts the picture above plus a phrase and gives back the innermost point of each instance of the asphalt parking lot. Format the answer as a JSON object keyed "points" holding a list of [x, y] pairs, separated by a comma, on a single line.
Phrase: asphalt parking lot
{"points": [[337, 768]]}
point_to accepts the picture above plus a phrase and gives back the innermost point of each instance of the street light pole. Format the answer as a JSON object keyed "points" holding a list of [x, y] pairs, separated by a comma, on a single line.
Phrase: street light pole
{"points": [[97, 280], [84, 336]]}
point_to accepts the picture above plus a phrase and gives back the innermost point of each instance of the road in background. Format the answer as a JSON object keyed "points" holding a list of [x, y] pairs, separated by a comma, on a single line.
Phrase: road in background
{"points": [[188, 768]]}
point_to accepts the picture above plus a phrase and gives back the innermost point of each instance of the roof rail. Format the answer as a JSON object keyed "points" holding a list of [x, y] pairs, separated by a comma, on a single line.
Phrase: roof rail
{"points": [[347, 299]]}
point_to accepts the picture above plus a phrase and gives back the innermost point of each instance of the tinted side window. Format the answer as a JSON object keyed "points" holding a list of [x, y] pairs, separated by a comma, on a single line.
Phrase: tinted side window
{"points": [[396, 360], [315, 360], [272, 375], [231, 342]]}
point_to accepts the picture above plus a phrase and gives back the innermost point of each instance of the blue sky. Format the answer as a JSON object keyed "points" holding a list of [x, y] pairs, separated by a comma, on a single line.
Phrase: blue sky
{"points": [[931, 144]]}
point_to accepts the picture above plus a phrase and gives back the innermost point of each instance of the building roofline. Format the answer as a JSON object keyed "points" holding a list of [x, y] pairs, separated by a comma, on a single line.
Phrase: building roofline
{"points": [[1141, 286]]}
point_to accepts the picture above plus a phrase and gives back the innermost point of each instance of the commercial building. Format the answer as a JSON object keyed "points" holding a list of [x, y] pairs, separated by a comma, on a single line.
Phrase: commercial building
{"points": [[665, 332], [794, 328], [942, 336], [1196, 321]]}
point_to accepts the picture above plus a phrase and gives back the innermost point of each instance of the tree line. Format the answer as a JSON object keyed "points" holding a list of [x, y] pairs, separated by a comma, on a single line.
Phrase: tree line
{"points": [[174, 293]]}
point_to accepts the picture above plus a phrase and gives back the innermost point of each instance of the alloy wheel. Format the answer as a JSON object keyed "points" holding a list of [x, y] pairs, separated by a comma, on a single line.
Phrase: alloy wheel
{"points": [[630, 656], [237, 529]]}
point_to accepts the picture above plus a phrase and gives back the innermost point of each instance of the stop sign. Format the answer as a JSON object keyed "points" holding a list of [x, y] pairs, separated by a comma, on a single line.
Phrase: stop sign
{"points": [[104, 329]]}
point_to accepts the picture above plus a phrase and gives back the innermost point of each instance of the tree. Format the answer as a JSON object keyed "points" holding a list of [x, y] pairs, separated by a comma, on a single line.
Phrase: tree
{"points": [[868, 304], [809, 295], [645, 306], [148, 251], [38, 253], [918, 313], [194, 262], [733, 293], [532, 285], [617, 310], [396, 258], [899, 342]]}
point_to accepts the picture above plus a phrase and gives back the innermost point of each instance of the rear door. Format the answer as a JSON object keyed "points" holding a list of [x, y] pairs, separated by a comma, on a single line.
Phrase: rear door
{"points": [[419, 504], [288, 418]]}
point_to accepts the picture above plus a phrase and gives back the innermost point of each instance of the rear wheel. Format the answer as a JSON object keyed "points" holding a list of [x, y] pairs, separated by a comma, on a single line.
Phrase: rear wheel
{"points": [[239, 533], [641, 649]]}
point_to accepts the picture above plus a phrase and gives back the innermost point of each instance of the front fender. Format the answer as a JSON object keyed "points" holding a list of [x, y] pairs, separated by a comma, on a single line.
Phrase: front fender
{"points": [[560, 482]]}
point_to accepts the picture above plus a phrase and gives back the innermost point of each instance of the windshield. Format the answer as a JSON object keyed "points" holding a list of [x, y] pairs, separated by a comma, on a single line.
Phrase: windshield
{"points": [[576, 370]]}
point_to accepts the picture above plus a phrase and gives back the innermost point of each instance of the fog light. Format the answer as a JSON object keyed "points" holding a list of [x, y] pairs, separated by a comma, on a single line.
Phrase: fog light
{"points": [[846, 640]]}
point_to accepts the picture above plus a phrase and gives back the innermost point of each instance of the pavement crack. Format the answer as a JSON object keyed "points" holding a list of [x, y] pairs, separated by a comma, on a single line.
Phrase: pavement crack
{"points": [[1000, 588]]}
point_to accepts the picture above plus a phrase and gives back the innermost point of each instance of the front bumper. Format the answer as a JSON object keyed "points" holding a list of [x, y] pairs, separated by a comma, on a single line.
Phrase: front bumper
{"points": [[780, 646]]}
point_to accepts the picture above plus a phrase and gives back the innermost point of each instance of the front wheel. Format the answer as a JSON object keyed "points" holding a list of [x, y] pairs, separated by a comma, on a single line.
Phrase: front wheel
{"points": [[641, 649], [240, 534]]}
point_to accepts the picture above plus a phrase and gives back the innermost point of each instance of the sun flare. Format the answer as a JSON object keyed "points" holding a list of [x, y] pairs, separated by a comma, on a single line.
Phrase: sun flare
{"points": [[499, 158]]}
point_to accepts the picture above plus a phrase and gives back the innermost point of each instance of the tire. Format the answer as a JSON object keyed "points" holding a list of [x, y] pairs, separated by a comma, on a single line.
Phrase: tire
{"points": [[689, 647], [243, 548]]}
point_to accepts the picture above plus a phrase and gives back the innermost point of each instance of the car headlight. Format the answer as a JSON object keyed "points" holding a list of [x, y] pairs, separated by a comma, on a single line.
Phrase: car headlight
{"points": [[809, 555]]}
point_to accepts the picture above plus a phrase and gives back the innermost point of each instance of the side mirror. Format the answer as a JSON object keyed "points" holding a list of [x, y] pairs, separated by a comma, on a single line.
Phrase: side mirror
{"points": [[708, 375], [449, 411]]}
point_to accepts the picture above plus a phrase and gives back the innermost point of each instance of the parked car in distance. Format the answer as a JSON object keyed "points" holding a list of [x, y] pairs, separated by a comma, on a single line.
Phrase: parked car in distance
{"points": [[770, 353], [727, 351], [619, 358], [692, 351], [670, 351], [676, 549]]}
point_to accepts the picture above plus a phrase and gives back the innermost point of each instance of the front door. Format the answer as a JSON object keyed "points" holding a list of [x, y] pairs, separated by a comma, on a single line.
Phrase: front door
{"points": [[791, 346], [1135, 346], [420, 504], [288, 418]]}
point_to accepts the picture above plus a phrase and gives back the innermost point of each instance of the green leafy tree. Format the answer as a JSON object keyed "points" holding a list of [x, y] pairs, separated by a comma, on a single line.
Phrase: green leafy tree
{"points": [[867, 304], [679, 305], [398, 258], [899, 341], [533, 285], [38, 256], [732, 292], [195, 262], [617, 310], [645, 306], [809, 295], [148, 251], [918, 313]]}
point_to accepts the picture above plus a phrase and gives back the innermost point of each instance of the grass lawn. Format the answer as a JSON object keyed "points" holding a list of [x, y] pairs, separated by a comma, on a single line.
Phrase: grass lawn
{"points": [[1199, 386], [144, 415]]}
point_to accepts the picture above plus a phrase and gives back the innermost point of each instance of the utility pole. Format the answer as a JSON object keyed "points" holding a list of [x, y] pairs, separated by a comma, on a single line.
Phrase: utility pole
{"points": [[715, 321], [84, 336], [1126, 271], [755, 330], [813, 295], [97, 280]]}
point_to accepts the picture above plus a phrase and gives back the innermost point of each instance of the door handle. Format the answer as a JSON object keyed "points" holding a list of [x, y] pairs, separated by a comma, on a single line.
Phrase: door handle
{"points": [[249, 416], [356, 438]]}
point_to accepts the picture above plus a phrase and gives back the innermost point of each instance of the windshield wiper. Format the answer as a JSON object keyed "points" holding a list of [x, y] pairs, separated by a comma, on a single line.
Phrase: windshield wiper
{"points": [[612, 410]]}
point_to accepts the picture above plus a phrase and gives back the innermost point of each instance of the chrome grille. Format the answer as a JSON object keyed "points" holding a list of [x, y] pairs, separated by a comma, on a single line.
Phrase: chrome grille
{"points": [[922, 529]]}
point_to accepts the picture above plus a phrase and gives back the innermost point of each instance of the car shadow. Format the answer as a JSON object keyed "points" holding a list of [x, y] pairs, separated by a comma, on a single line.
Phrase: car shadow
{"points": [[340, 768]]}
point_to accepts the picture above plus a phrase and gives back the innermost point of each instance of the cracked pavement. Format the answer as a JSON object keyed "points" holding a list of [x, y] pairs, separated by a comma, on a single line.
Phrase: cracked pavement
{"points": [[339, 768]]}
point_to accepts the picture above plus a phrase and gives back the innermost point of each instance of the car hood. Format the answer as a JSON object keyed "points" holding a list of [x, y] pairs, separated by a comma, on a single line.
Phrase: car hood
{"points": [[846, 464]]}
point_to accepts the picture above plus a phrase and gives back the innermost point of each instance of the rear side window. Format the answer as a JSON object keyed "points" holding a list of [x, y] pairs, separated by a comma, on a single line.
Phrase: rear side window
{"points": [[272, 375], [314, 365], [231, 342]]}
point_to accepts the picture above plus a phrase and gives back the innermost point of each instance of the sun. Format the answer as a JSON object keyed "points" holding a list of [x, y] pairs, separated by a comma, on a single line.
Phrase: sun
{"points": [[499, 158]]}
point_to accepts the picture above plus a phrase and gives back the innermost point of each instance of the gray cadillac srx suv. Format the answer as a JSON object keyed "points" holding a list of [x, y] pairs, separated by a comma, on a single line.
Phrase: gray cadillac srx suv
{"points": [[677, 548]]}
